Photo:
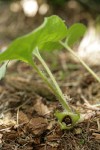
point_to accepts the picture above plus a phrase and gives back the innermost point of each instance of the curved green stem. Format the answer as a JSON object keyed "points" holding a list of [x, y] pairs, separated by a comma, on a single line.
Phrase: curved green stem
{"points": [[55, 87], [42, 75], [82, 62]]}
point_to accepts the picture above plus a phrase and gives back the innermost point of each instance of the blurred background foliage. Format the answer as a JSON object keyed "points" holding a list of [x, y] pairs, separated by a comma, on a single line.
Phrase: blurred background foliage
{"points": [[91, 4], [57, 2], [18, 17]]}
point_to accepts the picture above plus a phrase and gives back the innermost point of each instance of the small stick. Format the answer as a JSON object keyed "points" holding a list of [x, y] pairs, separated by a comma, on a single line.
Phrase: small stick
{"points": [[89, 106]]}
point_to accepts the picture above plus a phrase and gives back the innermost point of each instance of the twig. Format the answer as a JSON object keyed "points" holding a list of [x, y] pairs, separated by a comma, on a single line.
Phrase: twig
{"points": [[89, 106]]}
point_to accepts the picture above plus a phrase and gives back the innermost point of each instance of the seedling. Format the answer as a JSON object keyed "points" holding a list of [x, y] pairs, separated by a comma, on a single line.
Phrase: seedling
{"points": [[52, 34]]}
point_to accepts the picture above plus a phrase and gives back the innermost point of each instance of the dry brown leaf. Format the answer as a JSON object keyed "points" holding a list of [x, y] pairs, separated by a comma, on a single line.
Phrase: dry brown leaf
{"points": [[37, 125], [41, 108], [22, 117]]}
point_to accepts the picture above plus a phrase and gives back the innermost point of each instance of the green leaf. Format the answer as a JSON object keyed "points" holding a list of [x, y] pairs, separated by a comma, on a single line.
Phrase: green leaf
{"points": [[44, 37], [50, 46], [74, 33], [3, 70]]}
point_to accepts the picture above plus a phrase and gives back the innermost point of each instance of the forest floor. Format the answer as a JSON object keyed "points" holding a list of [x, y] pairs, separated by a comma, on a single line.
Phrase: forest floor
{"points": [[27, 106]]}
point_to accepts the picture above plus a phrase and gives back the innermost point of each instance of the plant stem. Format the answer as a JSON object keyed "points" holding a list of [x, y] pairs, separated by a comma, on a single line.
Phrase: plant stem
{"points": [[82, 62], [55, 87], [42, 75]]}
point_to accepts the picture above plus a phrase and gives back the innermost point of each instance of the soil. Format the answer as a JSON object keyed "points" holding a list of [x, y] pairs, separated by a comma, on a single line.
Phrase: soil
{"points": [[27, 106]]}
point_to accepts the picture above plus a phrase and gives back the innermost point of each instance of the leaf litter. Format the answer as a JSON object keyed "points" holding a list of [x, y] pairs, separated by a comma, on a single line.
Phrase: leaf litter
{"points": [[28, 121]]}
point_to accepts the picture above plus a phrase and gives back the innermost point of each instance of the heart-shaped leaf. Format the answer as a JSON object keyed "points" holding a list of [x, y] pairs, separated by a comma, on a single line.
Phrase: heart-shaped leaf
{"points": [[44, 37]]}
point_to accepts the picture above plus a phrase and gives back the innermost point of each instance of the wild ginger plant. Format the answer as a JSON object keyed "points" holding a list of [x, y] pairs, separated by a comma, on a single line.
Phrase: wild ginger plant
{"points": [[52, 34]]}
